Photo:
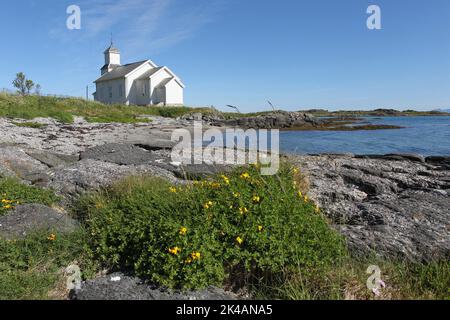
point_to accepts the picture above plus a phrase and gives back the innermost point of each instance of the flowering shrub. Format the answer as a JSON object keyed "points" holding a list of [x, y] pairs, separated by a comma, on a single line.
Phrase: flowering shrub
{"points": [[200, 234]]}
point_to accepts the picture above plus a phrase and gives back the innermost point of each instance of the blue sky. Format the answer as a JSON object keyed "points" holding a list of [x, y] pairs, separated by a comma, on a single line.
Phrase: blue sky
{"points": [[297, 53]]}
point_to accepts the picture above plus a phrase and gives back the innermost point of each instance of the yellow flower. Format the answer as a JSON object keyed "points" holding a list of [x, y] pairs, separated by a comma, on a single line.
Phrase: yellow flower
{"points": [[256, 199], [300, 194], [214, 185], [173, 189], [183, 231], [245, 175], [8, 207], [260, 228], [296, 170], [174, 250], [243, 210], [306, 198], [196, 255], [51, 237], [99, 205], [239, 240], [317, 208], [208, 205], [188, 260], [236, 194], [225, 179]]}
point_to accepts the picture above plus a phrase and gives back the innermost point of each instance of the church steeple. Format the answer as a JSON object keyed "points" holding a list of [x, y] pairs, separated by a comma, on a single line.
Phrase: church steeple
{"points": [[112, 58]]}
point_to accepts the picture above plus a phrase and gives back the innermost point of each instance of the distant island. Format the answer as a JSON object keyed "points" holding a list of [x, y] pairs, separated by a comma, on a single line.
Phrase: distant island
{"points": [[376, 113]]}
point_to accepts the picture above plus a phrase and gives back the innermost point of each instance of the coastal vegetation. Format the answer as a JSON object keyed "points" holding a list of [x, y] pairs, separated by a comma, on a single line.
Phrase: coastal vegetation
{"points": [[233, 228], [260, 235], [29, 107], [13, 193], [65, 109]]}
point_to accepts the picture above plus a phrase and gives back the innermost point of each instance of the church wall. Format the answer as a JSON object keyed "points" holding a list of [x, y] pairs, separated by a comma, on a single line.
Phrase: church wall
{"points": [[112, 91], [174, 94], [134, 91]]}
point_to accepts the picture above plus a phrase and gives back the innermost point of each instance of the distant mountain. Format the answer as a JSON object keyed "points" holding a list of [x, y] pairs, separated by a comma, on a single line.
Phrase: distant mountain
{"points": [[443, 110]]}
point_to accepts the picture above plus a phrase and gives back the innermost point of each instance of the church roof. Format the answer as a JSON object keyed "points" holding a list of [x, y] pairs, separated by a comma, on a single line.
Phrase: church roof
{"points": [[164, 82], [150, 72], [120, 71]]}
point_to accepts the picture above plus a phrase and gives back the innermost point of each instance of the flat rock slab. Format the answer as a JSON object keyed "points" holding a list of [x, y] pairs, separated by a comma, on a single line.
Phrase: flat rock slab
{"points": [[134, 155], [118, 286], [14, 161], [390, 206], [121, 154], [32, 217], [52, 159]]}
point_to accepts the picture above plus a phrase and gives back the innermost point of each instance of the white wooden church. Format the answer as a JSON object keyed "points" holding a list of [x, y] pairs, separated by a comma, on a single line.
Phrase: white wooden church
{"points": [[139, 83]]}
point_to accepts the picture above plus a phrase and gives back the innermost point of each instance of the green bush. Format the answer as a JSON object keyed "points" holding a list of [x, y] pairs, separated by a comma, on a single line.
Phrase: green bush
{"points": [[237, 226], [13, 193]]}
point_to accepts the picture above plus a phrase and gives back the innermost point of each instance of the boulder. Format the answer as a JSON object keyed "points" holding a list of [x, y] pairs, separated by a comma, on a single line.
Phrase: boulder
{"points": [[118, 286], [31, 217]]}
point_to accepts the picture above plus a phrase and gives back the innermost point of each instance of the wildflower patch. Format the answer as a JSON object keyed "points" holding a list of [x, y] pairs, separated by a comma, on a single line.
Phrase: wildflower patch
{"points": [[194, 236]]}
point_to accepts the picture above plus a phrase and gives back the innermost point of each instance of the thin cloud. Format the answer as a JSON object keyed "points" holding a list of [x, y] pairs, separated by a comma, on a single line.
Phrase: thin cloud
{"points": [[138, 24]]}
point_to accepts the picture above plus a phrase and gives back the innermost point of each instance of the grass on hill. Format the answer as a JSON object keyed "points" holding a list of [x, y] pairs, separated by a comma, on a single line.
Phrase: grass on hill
{"points": [[64, 109]]}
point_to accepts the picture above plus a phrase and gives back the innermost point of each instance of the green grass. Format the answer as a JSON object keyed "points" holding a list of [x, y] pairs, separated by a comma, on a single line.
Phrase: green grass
{"points": [[13, 192], [64, 109], [33, 125], [347, 280], [33, 268]]}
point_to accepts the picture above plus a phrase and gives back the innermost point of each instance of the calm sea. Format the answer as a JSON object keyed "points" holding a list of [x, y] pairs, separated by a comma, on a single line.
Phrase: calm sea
{"points": [[421, 135]]}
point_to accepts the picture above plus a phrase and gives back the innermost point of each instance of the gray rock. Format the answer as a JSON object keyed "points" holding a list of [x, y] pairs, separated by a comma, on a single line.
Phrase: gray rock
{"points": [[122, 154], [52, 159], [73, 180], [14, 161], [389, 208], [31, 217], [132, 288], [273, 120], [132, 155]]}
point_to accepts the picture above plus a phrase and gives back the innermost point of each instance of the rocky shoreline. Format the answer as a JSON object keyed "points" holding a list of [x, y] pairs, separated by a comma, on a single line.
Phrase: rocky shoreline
{"points": [[389, 205]]}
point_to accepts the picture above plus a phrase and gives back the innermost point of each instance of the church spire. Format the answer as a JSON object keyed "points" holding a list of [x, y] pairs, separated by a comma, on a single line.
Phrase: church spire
{"points": [[112, 58]]}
